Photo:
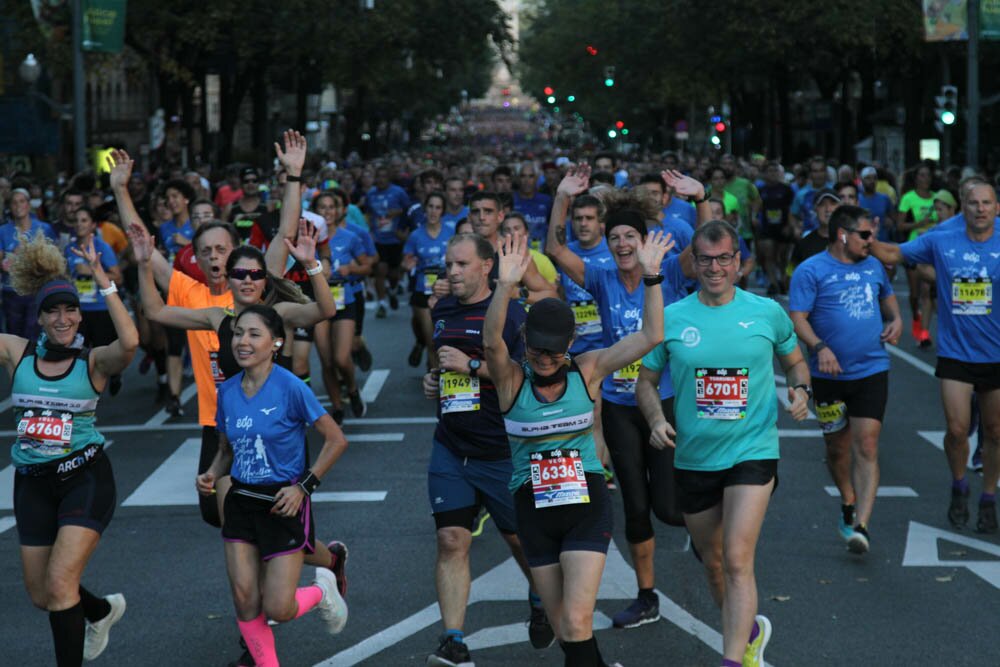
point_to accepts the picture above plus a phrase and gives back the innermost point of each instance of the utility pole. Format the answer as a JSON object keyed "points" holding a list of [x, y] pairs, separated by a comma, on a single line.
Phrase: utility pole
{"points": [[972, 113], [79, 113]]}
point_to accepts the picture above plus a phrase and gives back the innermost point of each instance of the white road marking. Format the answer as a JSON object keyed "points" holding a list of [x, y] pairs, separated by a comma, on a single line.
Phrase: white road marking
{"points": [[349, 496], [618, 583], [922, 551], [6, 523], [7, 483], [883, 492], [162, 415], [936, 438], [373, 385], [799, 433], [910, 359], [390, 421]]}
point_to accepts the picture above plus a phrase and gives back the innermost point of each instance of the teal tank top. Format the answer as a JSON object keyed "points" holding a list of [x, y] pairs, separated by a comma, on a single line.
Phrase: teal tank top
{"points": [[566, 423], [54, 415]]}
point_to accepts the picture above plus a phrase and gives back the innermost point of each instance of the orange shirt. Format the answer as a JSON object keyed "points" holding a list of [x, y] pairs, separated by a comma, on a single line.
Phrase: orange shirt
{"points": [[189, 293], [113, 235]]}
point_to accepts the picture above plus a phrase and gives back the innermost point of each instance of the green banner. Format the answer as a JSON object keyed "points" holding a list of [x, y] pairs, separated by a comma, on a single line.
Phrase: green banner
{"points": [[103, 25], [989, 19]]}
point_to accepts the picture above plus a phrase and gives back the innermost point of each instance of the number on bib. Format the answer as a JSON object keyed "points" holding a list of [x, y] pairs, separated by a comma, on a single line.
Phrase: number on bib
{"points": [[459, 392], [624, 379], [971, 296], [557, 478], [721, 393]]}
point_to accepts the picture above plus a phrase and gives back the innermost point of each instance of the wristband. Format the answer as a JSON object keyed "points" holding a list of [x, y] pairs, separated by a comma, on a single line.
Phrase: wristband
{"points": [[650, 281], [109, 290], [818, 346], [806, 388], [309, 483], [316, 270], [292, 179]]}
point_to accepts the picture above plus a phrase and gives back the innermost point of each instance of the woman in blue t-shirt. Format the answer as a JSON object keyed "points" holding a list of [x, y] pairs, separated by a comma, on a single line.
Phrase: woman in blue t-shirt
{"points": [[423, 254], [262, 416]]}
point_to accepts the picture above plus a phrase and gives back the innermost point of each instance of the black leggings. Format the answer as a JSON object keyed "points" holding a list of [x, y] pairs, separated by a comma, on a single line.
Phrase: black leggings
{"points": [[645, 474]]}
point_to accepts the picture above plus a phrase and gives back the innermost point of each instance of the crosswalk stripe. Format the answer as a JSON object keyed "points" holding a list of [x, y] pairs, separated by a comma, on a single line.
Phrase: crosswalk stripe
{"points": [[883, 492]]}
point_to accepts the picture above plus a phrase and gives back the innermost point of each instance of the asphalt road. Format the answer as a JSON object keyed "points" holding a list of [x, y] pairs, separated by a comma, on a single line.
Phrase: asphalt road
{"points": [[924, 595]]}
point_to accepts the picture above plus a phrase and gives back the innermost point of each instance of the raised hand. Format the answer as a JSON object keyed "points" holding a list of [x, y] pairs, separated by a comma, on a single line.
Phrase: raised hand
{"points": [[293, 157], [91, 256], [576, 181], [142, 242], [514, 259], [650, 254], [304, 249], [683, 185], [121, 168]]}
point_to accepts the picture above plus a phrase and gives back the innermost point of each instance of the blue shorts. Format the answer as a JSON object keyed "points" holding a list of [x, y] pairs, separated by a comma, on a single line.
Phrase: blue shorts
{"points": [[458, 487]]}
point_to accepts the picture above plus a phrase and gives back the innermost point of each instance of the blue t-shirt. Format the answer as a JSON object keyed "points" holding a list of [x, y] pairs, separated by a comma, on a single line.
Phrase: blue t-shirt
{"points": [[621, 315], [450, 220], [345, 246], [880, 206], [469, 419], [167, 231], [91, 298], [267, 432], [968, 273], [679, 229], [681, 210], [10, 239], [721, 360], [536, 212], [380, 202], [588, 319], [843, 302], [429, 253], [956, 222], [415, 215]]}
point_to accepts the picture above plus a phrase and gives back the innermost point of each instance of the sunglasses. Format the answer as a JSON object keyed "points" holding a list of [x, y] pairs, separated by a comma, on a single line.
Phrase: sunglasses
{"points": [[536, 352], [252, 274], [250, 181], [864, 234]]}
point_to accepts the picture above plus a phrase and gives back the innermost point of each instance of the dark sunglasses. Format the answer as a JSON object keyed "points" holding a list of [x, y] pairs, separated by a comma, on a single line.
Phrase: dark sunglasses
{"points": [[252, 274], [864, 234], [250, 181]]}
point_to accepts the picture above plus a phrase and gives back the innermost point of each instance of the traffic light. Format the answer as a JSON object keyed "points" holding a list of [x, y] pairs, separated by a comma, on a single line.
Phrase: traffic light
{"points": [[946, 112], [612, 134], [619, 124], [571, 98], [720, 127], [548, 90], [609, 76], [550, 99], [591, 50]]}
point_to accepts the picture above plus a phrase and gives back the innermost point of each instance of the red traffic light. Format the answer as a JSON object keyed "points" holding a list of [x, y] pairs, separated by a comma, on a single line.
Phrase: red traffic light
{"points": [[591, 50], [548, 90], [720, 127], [619, 124]]}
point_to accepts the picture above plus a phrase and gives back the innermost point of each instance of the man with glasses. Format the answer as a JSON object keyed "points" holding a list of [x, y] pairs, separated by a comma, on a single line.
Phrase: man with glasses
{"points": [[248, 210], [844, 310], [966, 261], [533, 205]]}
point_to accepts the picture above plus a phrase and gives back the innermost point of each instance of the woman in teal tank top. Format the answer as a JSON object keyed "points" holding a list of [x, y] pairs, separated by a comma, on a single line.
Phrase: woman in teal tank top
{"points": [[64, 489], [563, 510]]}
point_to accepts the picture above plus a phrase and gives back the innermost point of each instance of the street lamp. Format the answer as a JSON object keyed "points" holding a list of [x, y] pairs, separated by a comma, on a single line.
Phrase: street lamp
{"points": [[30, 70]]}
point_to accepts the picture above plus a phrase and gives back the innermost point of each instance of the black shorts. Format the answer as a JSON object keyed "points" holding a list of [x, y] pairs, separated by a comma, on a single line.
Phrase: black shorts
{"points": [[982, 377], [390, 253], [303, 334], [176, 341], [700, 490], [348, 312], [42, 505], [776, 233], [419, 300], [546, 533], [97, 328], [249, 519], [838, 400]]}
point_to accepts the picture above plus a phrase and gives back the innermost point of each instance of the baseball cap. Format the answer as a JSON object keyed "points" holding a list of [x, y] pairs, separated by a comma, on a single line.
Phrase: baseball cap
{"points": [[869, 171], [825, 193], [54, 293], [946, 197], [550, 325]]}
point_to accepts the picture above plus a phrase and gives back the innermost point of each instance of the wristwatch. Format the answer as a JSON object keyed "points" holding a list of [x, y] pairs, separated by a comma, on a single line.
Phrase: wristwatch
{"points": [[474, 365], [807, 388]]}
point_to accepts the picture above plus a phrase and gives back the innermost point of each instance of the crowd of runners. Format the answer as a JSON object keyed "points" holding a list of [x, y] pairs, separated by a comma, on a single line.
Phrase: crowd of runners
{"points": [[589, 325]]}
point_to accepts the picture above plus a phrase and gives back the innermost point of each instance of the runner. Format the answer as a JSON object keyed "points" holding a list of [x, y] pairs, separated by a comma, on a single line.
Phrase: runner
{"points": [[268, 512], [564, 518], [644, 474], [775, 227], [424, 254], [720, 342], [386, 204], [19, 310], [470, 463], [967, 267], [64, 487], [917, 215], [844, 310]]}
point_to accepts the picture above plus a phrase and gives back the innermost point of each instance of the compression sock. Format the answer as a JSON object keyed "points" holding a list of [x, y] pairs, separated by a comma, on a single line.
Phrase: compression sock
{"points": [[960, 485], [581, 654], [848, 513], [68, 628], [457, 635], [160, 360], [731, 663], [987, 498], [307, 597], [260, 641], [648, 595], [94, 608]]}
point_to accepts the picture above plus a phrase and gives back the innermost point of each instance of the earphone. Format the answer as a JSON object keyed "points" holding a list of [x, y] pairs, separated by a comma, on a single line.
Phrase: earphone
{"points": [[277, 344], [843, 238]]}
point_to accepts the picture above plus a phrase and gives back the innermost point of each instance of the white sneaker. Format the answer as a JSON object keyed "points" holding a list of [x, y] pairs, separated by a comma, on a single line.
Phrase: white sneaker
{"points": [[332, 608], [96, 639]]}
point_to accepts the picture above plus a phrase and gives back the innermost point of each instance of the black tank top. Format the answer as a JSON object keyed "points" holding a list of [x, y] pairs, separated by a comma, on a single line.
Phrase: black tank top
{"points": [[227, 360]]}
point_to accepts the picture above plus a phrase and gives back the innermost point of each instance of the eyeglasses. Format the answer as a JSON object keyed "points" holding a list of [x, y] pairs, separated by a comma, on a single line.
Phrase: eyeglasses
{"points": [[865, 234], [725, 259], [252, 274]]}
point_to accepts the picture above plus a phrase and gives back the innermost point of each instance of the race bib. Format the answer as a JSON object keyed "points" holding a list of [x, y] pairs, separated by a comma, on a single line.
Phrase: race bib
{"points": [[213, 362], [47, 432], [624, 379], [971, 296], [588, 320], [385, 225], [429, 280], [87, 289], [338, 296], [832, 416], [773, 216], [557, 478], [536, 245], [459, 392], [721, 393]]}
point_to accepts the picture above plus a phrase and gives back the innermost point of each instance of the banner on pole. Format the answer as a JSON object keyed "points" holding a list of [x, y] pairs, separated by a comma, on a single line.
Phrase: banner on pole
{"points": [[103, 25], [989, 19]]}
